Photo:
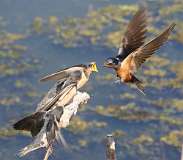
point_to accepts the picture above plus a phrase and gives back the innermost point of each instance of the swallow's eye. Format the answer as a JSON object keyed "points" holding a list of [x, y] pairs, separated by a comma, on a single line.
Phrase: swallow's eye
{"points": [[115, 61]]}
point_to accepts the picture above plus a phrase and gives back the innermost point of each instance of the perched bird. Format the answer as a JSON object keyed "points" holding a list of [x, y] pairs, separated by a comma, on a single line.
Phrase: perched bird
{"points": [[47, 135], [132, 51], [69, 80], [55, 119]]}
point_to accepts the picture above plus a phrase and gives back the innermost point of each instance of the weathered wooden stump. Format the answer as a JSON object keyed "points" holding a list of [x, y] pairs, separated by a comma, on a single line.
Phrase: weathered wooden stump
{"points": [[110, 148], [182, 153]]}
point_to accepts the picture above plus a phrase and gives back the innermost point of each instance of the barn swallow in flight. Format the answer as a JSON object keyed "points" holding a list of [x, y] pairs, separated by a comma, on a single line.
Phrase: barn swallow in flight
{"points": [[69, 80], [132, 52]]}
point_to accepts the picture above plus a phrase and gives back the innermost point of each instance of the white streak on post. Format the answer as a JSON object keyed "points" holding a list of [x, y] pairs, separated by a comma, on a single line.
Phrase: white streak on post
{"points": [[110, 148]]}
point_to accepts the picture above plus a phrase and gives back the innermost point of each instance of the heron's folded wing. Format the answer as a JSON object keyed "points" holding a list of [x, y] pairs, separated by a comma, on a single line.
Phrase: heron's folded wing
{"points": [[59, 91], [63, 74]]}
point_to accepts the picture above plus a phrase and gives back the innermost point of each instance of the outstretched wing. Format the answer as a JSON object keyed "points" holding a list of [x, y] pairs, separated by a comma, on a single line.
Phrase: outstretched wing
{"points": [[138, 57], [135, 34], [63, 74]]}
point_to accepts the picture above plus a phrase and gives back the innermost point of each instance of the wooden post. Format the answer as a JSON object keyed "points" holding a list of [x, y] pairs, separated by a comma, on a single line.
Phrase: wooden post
{"points": [[182, 153], [110, 148], [48, 152]]}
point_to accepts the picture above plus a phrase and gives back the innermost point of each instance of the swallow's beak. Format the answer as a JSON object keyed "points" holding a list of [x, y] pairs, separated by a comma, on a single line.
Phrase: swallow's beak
{"points": [[94, 68], [107, 64]]}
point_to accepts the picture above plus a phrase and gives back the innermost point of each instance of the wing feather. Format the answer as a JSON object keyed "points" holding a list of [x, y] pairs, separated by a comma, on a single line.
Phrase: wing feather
{"points": [[135, 34], [56, 94], [141, 54], [62, 74]]}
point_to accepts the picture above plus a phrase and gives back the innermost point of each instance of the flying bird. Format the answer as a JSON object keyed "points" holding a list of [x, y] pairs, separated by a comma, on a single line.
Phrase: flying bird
{"points": [[69, 80], [133, 52]]}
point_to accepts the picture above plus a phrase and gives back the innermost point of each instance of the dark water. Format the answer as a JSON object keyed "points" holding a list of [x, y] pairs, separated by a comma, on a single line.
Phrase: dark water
{"points": [[48, 57]]}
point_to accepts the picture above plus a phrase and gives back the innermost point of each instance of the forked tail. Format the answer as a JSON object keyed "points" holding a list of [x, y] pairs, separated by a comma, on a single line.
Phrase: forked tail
{"points": [[32, 123], [139, 84]]}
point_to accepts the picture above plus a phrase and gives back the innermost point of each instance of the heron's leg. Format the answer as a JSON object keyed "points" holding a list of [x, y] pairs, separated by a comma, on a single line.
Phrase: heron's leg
{"points": [[60, 139], [48, 152]]}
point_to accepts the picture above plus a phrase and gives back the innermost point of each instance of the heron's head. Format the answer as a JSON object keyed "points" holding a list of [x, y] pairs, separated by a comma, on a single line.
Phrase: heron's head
{"points": [[92, 66]]}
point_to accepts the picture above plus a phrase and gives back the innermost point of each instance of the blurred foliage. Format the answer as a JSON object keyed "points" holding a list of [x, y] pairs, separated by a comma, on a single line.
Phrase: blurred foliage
{"points": [[119, 133], [131, 112], [9, 132], [9, 101], [126, 112], [173, 138], [104, 27], [174, 103], [79, 125], [172, 8], [38, 25], [90, 29], [143, 139]]}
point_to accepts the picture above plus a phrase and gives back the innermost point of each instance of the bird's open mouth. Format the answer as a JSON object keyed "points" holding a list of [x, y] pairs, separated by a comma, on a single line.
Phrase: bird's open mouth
{"points": [[107, 65]]}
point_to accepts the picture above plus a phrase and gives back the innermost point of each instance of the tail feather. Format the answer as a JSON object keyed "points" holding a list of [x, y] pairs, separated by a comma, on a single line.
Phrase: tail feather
{"points": [[140, 87], [32, 123], [53, 132], [139, 84], [28, 149]]}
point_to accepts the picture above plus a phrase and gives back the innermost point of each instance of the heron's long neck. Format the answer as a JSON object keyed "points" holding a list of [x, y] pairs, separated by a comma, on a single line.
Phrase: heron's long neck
{"points": [[88, 71]]}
